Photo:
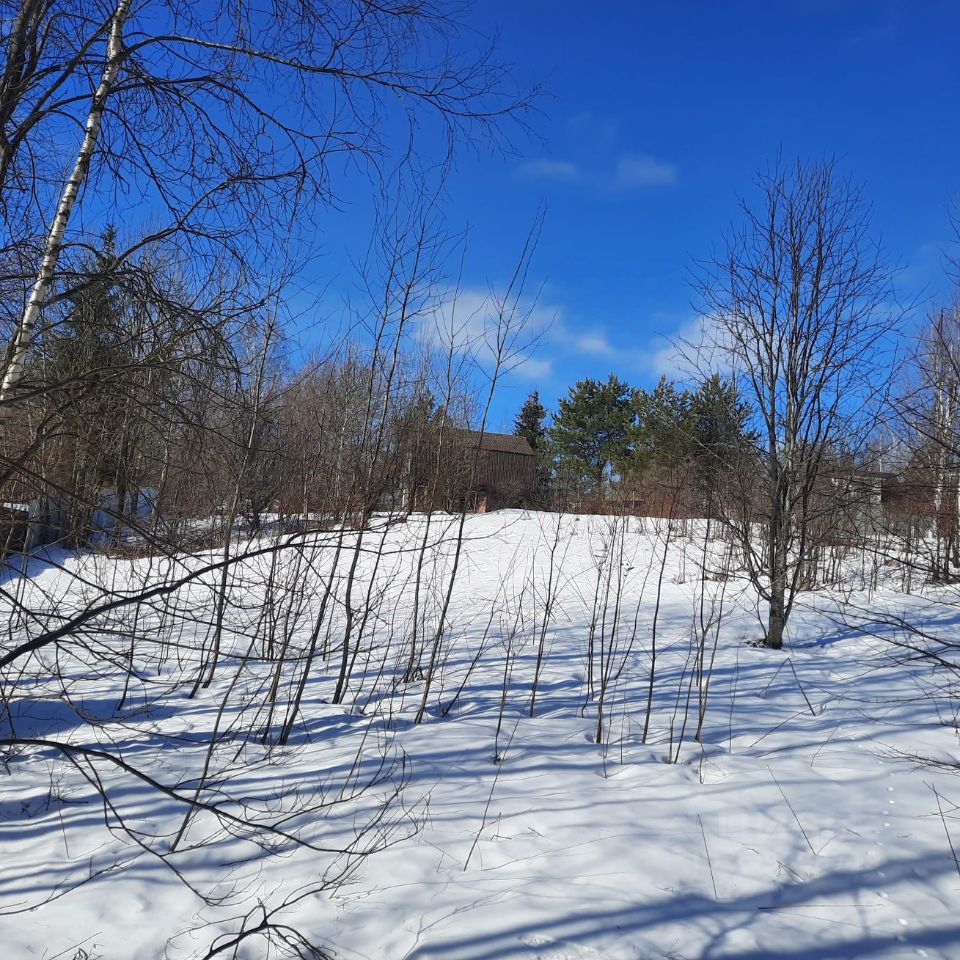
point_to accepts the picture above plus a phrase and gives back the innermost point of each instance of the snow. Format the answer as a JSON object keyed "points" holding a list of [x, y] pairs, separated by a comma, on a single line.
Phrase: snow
{"points": [[802, 826]]}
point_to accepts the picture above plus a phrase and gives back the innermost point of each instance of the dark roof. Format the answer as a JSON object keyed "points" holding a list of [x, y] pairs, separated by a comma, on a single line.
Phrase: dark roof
{"points": [[497, 442]]}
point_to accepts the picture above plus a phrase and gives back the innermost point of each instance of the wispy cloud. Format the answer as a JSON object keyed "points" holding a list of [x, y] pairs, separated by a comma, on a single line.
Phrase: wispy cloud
{"points": [[883, 26], [592, 341], [588, 126], [467, 320], [553, 344], [695, 347], [630, 171], [545, 168], [595, 343], [644, 170], [533, 368]]}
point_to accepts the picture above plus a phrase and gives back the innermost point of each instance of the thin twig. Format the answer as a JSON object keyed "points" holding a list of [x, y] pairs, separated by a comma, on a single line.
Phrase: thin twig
{"points": [[794, 812], [713, 879], [493, 786]]}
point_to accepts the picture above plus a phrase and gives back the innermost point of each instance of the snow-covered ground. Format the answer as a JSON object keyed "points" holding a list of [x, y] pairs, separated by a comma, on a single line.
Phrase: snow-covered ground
{"points": [[799, 828]]}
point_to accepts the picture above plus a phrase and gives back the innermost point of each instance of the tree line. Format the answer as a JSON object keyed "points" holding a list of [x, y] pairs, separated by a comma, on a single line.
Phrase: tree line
{"points": [[607, 435]]}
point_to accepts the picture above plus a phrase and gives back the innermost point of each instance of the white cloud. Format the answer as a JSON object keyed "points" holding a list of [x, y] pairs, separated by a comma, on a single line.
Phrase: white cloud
{"points": [[587, 340], [466, 314], [629, 171], [644, 170], [544, 168], [595, 343], [693, 348], [534, 368], [466, 321]]}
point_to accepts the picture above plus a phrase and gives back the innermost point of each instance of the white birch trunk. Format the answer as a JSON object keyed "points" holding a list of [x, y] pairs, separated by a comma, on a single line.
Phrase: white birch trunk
{"points": [[944, 415], [17, 352]]}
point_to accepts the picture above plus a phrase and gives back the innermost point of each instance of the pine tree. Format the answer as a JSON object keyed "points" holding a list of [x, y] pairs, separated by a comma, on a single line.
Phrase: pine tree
{"points": [[662, 432], [704, 429], [89, 337], [719, 419], [590, 432], [529, 422], [90, 357]]}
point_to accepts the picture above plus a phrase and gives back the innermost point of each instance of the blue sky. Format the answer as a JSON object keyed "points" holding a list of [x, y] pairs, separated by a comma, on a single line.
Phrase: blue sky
{"points": [[655, 118]]}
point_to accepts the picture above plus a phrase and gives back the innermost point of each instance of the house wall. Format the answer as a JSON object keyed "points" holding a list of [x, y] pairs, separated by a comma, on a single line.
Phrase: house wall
{"points": [[507, 479]]}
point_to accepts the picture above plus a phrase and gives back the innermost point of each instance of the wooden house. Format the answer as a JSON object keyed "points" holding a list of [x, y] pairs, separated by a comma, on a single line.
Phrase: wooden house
{"points": [[501, 469]]}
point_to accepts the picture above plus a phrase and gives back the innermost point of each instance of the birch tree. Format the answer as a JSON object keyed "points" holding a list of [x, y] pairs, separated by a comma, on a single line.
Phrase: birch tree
{"points": [[20, 341], [187, 138]]}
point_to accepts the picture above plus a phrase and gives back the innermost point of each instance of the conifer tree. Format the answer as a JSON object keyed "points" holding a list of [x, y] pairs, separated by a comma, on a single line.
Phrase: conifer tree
{"points": [[590, 435], [661, 434], [529, 422], [719, 430], [88, 355]]}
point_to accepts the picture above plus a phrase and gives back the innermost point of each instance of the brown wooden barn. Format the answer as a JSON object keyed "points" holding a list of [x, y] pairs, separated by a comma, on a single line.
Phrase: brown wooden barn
{"points": [[502, 469]]}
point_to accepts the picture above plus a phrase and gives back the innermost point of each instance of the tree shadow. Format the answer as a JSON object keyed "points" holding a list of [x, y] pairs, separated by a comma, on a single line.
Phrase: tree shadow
{"points": [[711, 921]]}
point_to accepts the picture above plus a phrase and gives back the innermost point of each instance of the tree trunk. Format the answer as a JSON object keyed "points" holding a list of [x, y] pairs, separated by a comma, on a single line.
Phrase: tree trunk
{"points": [[776, 620], [23, 335]]}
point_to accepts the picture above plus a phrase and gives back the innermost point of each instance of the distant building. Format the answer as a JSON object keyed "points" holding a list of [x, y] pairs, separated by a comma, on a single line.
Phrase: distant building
{"points": [[910, 504], [851, 504], [501, 468]]}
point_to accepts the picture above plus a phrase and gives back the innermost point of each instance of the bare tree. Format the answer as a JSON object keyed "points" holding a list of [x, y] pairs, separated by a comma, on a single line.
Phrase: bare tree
{"points": [[929, 413], [799, 305]]}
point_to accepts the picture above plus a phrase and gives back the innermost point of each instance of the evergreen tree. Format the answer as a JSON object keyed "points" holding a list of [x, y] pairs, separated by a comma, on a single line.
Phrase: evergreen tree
{"points": [[87, 356], [662, 432], [590, 435], [704, 429], [88, 339], [529, 422], [719, 422]]}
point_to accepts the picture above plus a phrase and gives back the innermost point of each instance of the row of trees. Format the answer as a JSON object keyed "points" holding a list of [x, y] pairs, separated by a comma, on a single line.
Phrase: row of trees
{"points": [[148, 422], [607, 433]]}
